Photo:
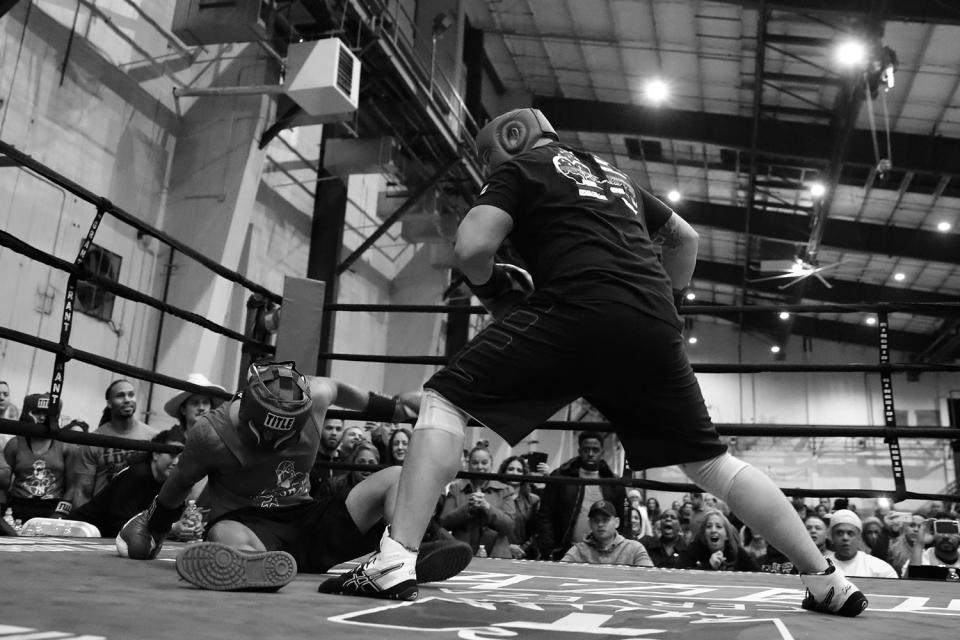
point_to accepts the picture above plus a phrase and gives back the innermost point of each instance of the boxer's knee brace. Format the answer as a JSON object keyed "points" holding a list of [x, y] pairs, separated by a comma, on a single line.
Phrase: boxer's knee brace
{"points": [[716, 475], [438, 413]]}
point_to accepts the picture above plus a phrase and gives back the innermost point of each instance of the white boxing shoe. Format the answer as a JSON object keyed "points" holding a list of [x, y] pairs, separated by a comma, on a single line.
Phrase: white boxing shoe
{"points": [[831, 592]]}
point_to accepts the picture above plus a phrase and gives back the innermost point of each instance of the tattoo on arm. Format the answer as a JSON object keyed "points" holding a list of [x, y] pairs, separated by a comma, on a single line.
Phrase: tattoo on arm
{"points": [[668, 235]]}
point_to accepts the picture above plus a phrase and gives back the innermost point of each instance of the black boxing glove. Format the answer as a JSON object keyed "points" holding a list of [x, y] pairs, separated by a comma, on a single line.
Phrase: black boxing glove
{"points": [[508, 286], [679, 295], [142, 536]]}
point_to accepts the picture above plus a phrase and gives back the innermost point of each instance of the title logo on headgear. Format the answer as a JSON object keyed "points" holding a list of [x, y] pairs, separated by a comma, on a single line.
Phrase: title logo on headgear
{"points": [[278, 423], [43, 402]]}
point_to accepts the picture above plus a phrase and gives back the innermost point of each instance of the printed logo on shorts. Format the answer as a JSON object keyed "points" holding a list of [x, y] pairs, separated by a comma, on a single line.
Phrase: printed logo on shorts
{"points": [[278, 423]]}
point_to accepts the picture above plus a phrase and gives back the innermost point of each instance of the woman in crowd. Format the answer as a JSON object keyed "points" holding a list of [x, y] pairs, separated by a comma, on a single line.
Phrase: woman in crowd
{"points": [[523, 538], [480, 512], [35, 468], [635, 502], [632, 529], [653, 509], [716, 546], [397, 446], [363, 453]]}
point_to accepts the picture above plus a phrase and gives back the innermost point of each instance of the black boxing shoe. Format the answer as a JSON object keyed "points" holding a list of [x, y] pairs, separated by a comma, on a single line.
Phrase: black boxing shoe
{"points": [[831, 592], [218, 567]]}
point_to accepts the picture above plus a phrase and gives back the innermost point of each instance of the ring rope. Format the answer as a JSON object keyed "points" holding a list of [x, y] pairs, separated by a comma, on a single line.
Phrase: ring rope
{"points": [[28, 162], [79, 272], [937, 308], [93, 439], [111, 365], [727, 428], [653, 484], [891, 367]]}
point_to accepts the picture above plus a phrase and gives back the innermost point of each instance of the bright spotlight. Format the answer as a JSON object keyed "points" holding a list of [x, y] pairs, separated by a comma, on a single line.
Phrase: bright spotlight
{"points": [[944, 226], [817, 189], [692, 339], [851, 53], [673, 196], [691, 295], [784, 315], [774, 349], [657, 91], [899, 277], [871, 320]]}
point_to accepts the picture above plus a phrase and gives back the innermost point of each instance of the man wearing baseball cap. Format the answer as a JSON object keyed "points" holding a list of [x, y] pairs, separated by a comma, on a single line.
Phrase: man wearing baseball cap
{"points": [[845, 530], [604, 545]]}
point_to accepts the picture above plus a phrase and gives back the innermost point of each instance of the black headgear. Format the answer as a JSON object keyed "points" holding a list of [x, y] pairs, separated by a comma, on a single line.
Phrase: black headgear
{"points": [[34, 403], [512, 133], [275, 406]]}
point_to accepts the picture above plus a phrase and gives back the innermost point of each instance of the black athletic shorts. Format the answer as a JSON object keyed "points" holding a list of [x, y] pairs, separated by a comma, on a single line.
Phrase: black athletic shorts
{"points": [[318, 534], [520, 370]]}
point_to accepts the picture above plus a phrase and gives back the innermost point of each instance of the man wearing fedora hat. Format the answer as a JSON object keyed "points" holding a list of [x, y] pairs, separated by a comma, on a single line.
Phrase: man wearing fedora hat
{"points": [[187, 406]]}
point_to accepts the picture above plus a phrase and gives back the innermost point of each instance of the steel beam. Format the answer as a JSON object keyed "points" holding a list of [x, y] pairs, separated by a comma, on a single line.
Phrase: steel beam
{"points": [[923, 11], [806, 142]]}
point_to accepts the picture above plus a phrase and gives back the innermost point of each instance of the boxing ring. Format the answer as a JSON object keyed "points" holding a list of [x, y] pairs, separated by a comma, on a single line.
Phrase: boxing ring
{"points": [[80, 588], [73, 588]]}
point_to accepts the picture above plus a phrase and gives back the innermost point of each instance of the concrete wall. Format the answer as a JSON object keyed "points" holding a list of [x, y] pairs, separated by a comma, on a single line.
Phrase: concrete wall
{"points": [[103, 133]]}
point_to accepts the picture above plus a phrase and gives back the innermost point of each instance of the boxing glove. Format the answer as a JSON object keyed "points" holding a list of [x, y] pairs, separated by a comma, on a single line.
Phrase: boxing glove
{"points": [[679, 295], [141, 538], [508, 286]]}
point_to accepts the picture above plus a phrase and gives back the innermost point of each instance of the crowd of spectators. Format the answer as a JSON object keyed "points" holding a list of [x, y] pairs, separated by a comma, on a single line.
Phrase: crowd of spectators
{"points": [[576, 521]]}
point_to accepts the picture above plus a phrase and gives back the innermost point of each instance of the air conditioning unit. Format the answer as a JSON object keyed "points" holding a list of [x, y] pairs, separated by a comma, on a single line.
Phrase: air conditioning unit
{"points": [[323, 77], [199, 22]]}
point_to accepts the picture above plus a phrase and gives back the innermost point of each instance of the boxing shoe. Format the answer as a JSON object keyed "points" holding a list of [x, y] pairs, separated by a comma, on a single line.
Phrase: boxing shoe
{"points": [[218, 567], [390, 573], [831, 592]]}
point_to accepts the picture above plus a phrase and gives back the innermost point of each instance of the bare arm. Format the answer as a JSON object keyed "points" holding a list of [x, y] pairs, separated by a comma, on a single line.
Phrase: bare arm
{"points": [[480, 234], [679, 243], [6, 466]]}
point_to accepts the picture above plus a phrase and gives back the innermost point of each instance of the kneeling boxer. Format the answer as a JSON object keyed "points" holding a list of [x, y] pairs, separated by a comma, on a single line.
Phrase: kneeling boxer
{"points": [[257, 452]]}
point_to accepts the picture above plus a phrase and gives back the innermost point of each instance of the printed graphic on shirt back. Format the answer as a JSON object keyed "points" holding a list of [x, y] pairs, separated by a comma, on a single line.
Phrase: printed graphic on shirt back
{"points": [[589, 185]]}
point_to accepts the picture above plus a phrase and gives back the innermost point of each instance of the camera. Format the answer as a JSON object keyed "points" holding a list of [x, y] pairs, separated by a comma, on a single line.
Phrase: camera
{"points": [[946, 527]]}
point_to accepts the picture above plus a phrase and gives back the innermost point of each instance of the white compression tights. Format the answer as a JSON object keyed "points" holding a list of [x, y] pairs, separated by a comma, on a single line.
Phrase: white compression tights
{"points": [[760, 504]]}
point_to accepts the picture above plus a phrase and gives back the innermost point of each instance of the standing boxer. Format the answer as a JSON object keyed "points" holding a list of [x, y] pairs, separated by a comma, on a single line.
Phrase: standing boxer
{"points": [[601, 324]]}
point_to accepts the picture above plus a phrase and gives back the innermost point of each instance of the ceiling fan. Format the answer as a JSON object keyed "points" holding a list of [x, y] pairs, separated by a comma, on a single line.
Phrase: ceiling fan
{"points": [[796, 270]]}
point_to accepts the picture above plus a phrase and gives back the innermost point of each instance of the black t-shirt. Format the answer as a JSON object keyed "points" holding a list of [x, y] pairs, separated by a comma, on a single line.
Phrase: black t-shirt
{"points": [[583, 235]]}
